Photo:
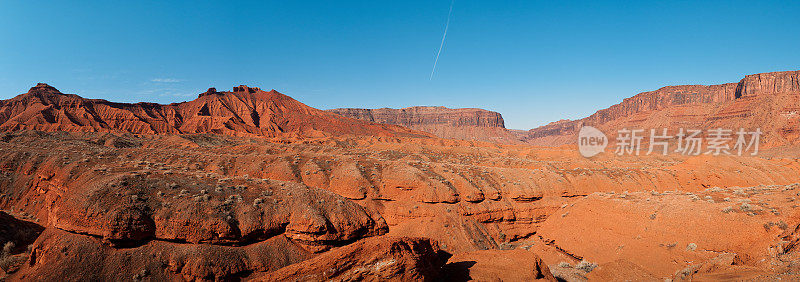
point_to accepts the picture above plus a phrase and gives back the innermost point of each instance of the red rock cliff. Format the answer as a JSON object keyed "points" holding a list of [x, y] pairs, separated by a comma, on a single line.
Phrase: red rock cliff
{"points": [[765, 100]]}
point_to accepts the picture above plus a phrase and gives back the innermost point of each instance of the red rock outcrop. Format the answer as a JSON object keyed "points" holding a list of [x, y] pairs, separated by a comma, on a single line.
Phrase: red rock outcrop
{"points": [[65, 256], [768, 101], [244, 112], [374, 259], [463, 123]]}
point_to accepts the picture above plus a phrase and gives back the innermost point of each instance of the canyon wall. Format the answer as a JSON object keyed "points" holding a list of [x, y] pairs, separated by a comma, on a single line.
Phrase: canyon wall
{"points": [[768, 101]]}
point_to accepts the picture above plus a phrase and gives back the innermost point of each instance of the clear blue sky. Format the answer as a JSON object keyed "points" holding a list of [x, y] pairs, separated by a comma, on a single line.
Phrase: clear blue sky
{"points": [[532, 61]]}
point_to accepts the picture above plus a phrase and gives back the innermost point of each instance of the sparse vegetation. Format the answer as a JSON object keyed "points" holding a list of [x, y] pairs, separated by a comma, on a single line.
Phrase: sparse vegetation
{"points": [[586, 266], [780, 224], [8, 247], [7, 260]]}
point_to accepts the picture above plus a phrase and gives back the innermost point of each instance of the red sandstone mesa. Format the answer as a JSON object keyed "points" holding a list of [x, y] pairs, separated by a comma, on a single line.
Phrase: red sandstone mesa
{"points": [[465, 124]]}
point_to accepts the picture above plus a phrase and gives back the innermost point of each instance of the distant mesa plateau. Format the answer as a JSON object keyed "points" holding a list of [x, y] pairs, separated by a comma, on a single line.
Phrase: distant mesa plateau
{"points": [[254, 185], [463, 124]]}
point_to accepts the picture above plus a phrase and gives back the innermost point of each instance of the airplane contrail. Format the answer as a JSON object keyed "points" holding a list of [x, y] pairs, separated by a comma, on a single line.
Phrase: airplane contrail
{"points": [[443, 37]]}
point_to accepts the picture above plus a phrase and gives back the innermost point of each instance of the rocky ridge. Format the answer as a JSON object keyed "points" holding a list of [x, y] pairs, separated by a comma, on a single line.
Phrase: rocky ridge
{"points": [[245, 111]]}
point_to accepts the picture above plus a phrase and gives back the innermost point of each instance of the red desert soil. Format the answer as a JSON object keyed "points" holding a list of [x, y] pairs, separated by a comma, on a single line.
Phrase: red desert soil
{"points": [[379, 202]]}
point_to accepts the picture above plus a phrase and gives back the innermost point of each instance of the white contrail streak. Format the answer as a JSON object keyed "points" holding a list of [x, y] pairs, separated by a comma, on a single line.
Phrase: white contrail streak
{"points": [[443, 37]]}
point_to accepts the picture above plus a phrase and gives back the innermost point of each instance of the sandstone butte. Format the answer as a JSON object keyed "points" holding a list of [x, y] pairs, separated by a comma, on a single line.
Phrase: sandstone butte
{"points": [[95, 190]]}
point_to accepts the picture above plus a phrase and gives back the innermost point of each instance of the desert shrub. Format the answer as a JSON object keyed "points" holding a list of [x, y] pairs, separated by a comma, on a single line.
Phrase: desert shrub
{"points": [[691, 247], [7, 248], [780, 224], [7, 260], [686, 273], [564, 264], [9, 263], [586, 266]]}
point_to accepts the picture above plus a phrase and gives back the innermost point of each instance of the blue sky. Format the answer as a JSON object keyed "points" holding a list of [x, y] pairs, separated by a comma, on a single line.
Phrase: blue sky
{"points": [[532, 61]]}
